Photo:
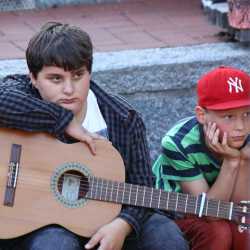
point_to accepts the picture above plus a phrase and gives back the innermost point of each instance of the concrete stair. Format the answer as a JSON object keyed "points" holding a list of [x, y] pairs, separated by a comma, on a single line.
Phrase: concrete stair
{"points": [[160, 83]]}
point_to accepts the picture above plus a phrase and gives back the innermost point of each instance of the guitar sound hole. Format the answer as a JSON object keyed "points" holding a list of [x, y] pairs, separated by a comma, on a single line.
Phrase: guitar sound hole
{"points": [[73, 185]]}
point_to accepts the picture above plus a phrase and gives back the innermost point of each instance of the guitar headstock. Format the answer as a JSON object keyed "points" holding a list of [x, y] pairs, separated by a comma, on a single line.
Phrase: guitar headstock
{"points": [[242, 215]]}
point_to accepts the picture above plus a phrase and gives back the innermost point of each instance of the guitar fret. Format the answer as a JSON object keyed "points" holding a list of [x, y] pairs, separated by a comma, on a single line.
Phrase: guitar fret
{"points": [[98, 188], [206, 207], [176, 204], [196, 205], [96, 193], [136, 195], [100, 193], [117, 192], [152, 191], [143, 200], [91, 187], [111, 192], [106, 190], [159, 199], [167, 200], [185, 210], [218, 209], [230, 211], [123, 191], [129, 196]]}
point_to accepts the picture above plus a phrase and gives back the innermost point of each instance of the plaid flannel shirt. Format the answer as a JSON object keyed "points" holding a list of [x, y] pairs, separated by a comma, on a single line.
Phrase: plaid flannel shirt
{"points": [[22, 107]]}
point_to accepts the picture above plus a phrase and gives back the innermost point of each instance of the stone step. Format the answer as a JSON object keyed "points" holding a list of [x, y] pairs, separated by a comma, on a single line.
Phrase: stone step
{"points": [[160, 83]]}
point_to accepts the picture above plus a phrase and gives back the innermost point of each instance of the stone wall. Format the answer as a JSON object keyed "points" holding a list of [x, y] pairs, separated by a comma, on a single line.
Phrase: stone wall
{"points": [[173, 98]]}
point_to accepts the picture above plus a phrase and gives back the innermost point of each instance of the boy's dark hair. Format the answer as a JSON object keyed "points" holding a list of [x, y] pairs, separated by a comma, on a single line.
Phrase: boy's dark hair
{"points": [[61, 45]]}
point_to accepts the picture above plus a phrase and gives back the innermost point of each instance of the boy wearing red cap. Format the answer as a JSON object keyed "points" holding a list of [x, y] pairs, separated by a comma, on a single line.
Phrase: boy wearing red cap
{"points": [[210, 154]]}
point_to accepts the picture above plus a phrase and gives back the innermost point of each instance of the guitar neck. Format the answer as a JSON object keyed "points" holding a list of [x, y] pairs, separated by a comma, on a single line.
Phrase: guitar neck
{"points": [[142, 196]]}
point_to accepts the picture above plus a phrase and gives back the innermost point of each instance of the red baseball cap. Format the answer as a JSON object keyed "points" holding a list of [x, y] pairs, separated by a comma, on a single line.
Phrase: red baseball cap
{"points": [[224, 88]]}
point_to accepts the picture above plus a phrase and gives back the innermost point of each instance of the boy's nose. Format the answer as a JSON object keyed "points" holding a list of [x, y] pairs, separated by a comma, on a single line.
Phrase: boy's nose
{"points": [[239, 124], [68, 88]]}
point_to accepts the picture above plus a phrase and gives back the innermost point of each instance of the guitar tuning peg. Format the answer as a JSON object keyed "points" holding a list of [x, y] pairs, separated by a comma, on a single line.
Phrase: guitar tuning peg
{"points": [[245, 203], [245, 206], [241, 227]]}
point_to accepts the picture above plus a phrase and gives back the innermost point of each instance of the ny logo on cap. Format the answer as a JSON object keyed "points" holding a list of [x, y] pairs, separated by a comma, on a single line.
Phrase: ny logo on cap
{"points": [[236, 83]]}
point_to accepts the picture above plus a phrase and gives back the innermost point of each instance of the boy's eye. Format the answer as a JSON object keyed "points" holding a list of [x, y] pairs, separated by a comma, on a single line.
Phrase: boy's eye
{"points": [[77, 75], [228, 117], [55, 78], [247, 114]]}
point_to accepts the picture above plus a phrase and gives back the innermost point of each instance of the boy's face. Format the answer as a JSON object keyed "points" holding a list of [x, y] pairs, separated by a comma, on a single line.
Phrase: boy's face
{"points": [[236, 122], [68, 89]]}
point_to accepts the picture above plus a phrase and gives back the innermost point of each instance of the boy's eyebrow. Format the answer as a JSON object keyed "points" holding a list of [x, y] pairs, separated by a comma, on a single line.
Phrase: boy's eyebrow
{"points": [[81, 70], [53, 74]]}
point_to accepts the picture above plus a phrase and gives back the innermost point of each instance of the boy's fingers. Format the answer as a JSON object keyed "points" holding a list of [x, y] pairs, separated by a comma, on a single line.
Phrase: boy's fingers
{"points": [[90, 143], [215, 139], [224, 139], [93, 241]]}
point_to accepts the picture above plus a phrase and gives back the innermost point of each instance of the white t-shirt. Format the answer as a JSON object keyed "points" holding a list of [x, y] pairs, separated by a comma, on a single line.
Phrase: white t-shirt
{"points": [[94, 121]]}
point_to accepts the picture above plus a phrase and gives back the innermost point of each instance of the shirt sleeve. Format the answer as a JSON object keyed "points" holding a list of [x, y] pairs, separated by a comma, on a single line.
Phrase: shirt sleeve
{"points": [[138, 171], [21, 107]]}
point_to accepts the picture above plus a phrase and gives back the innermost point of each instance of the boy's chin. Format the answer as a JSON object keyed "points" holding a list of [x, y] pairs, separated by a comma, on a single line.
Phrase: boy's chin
{"points": [[236, 144]]}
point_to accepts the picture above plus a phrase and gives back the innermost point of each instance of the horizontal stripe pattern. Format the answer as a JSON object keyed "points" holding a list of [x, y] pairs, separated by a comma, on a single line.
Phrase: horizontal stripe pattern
{"points": [[184, 157]]}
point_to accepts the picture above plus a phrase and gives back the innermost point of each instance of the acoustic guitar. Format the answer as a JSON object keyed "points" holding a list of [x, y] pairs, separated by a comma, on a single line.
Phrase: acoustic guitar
{"points": [[44, 181]]}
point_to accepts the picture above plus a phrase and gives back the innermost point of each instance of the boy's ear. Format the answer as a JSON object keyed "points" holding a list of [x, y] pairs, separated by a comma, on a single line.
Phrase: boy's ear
{"points": [[33, 79], [200, 114]]}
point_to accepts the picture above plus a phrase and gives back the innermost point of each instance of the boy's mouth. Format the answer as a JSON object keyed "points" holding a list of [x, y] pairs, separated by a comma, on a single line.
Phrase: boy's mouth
{"points": [[67, 101], [238, 138]]}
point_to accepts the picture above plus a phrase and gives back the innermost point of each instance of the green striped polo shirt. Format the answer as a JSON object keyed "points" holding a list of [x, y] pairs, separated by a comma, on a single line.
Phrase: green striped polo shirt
{"points": [[184, 157]]}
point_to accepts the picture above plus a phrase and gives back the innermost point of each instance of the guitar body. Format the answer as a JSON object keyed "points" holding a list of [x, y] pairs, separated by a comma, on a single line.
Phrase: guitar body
{"points": [[44, 181], [35, 203]]}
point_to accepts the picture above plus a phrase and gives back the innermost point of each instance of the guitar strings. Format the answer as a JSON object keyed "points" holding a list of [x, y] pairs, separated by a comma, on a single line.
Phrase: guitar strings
{"points": [[86, 188]]}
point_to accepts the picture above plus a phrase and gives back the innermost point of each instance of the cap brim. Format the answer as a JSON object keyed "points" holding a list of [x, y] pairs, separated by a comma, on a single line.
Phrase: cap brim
{"points": [[230, 105]]}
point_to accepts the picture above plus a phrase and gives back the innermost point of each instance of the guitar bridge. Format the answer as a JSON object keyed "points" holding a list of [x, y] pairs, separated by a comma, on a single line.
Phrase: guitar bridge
{"points": [[13, 170]]}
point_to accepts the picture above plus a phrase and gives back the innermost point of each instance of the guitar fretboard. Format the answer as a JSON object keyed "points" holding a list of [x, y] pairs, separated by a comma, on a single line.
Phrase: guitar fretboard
{"points": [[125, 193]]}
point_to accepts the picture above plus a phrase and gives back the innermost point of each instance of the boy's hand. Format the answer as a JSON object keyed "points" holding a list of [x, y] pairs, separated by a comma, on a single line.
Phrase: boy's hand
{"points": [[245, 152], [76, 131], [212, 138], [111, 236]]}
